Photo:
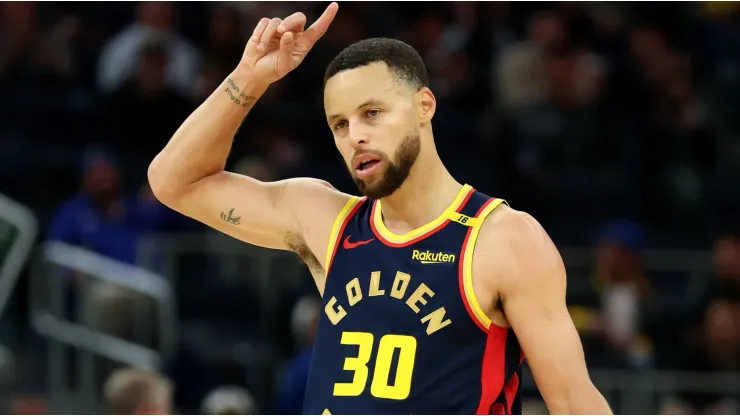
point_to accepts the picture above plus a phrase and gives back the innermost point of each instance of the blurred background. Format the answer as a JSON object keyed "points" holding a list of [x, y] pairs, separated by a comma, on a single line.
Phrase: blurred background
{"points": [[611, 123]]}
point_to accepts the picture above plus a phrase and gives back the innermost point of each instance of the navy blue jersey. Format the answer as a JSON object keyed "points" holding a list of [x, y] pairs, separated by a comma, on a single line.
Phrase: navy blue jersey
{"points": [[401, 330]]}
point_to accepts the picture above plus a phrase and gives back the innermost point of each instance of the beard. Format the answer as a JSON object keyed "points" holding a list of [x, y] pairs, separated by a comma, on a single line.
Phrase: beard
{"points": [[395, 171]]}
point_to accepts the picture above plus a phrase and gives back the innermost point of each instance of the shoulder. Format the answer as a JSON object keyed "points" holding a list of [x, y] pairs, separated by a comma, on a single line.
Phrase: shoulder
{"points": [[517, 228], [517, 250]]}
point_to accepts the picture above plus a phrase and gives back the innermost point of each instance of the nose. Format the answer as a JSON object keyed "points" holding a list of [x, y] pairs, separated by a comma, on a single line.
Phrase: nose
{"points": [[358, 135]]}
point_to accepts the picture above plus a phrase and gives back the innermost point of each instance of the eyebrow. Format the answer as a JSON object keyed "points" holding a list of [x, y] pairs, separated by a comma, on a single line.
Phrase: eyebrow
{"points": [[371, 101]]}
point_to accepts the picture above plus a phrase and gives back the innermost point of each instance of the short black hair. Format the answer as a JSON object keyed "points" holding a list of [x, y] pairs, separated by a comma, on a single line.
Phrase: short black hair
{"points": [[400, 57]]}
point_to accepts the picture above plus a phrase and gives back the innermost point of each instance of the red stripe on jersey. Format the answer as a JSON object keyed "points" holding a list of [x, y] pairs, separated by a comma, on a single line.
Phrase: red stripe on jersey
{"points": [[510, 390], [493, 372]]}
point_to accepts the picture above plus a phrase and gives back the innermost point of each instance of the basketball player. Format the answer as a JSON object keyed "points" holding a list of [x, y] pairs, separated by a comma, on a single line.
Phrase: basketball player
{"points": [[432, 292]]}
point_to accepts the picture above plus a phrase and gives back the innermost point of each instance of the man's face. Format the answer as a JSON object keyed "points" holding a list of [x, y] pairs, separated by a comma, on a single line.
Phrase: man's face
{"points": [[101, 180], [721, 323], [375, 123], [152, 70], [727, 257]]}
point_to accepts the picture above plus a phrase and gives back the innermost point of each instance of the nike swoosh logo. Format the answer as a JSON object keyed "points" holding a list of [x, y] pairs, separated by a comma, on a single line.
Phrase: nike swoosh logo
{"points": [[349, 245]]}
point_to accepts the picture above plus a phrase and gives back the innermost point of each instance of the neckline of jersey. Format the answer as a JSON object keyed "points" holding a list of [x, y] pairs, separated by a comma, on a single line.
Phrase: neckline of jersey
{"points": [[400, 240]]}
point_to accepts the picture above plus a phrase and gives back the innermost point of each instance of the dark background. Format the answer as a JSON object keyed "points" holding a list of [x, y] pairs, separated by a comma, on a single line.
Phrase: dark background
{"points": [[614, 124]]}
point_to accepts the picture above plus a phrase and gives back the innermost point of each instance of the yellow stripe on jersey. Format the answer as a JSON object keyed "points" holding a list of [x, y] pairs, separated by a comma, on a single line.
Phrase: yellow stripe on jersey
{"points": [[337, 227], [404, 238], [464, 219], [467, 259]]}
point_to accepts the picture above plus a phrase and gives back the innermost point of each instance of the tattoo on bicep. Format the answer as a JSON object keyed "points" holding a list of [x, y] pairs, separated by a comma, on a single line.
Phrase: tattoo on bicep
{"points": [[230, 218], [238, 97]]}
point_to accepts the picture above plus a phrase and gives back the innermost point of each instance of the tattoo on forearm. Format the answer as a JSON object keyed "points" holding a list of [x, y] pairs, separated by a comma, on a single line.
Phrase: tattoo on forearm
{"points": [[230, 218], [238, 97]]}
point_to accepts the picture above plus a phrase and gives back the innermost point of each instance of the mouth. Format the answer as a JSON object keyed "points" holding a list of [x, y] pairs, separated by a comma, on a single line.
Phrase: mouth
{"points": [[366, 164]]}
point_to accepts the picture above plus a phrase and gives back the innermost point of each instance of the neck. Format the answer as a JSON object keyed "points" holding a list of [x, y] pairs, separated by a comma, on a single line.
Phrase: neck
{"points": [[425, 194]]}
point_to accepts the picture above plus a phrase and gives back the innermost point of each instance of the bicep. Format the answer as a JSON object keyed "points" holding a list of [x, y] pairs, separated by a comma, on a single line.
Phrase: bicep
{"points": [[533, 301], [256, 212]]}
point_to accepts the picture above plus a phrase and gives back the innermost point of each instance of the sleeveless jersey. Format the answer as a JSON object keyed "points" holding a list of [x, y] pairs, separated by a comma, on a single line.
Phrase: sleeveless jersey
{"points": [[401, 331]]}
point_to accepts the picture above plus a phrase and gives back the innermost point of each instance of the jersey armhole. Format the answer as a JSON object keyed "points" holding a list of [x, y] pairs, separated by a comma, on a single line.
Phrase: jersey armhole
{"points": [[337, 229], [466, 266]]}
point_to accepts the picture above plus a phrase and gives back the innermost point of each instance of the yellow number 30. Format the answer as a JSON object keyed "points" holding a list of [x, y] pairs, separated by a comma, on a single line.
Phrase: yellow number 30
{"points": [[379, 388]]}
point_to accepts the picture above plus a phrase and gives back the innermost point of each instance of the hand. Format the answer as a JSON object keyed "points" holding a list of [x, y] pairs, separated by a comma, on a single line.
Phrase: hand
{"points": [[279, 46]]}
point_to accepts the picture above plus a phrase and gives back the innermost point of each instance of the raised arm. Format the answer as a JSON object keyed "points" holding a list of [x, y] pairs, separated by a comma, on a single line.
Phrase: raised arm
{"points": [[532, 292], [188, 174]]}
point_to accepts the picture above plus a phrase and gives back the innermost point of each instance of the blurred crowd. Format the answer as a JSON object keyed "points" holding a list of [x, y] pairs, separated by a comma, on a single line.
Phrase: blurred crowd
{"points": [[611, 123]]}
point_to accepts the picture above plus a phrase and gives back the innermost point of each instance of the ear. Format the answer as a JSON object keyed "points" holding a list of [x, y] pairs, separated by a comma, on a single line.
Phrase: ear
{"points": [[427, 105]]}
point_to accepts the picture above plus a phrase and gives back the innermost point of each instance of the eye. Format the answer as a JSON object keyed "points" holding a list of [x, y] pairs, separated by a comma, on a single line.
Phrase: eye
{"points": [[372, 113], [340, 125]]}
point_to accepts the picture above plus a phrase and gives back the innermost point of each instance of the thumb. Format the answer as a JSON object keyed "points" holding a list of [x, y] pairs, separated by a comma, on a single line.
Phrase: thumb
{"points": [[284, 62]]}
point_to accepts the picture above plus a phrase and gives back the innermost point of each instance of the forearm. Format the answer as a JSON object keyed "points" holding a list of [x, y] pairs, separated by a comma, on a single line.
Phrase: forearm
{"points": [[201, 146]]}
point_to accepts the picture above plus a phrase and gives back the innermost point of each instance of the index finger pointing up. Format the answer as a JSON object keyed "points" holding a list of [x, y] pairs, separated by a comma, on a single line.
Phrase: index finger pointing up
{"points": [[319, 27]]}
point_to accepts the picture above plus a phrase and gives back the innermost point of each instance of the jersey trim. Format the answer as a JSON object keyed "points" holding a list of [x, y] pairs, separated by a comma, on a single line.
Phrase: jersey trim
{"points": [[337, 229], [499, 380], [395, 240], [466, 266]]}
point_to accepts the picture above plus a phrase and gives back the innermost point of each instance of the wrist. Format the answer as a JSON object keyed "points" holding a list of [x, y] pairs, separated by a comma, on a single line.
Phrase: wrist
{"points": [[247, 83]]}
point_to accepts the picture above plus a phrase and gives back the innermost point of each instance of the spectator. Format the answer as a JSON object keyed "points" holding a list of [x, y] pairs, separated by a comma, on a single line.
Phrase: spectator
{"points": [[118, 59], [725, 282], [30, 52], [612, 326], [295, 376], [157, 108], [226, 36], [133, 391], [229, 400], [621, 280], [716, 348], [103, 220], [520, 81], [100, 218], [727, 263], [223, 47]]}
